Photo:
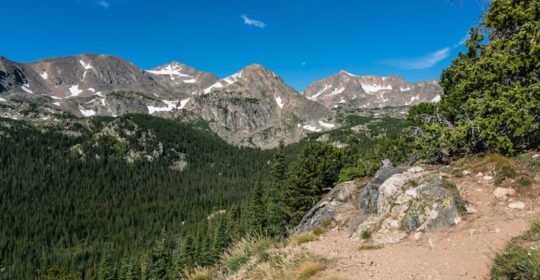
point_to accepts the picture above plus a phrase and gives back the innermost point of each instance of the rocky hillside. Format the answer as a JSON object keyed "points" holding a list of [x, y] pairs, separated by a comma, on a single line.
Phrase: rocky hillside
{"points": [[346, 91], [255, 107]]}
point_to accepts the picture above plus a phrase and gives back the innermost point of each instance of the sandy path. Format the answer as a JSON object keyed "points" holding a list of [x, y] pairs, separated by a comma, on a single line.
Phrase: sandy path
{"points": [[463, 252]]}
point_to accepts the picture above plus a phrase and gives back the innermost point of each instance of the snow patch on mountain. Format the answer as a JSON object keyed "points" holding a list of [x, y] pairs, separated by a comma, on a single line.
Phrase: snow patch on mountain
{"points": [[311, 128], [279, 101], [413, 98], [337, 91], [212, 87], [171, 105], [373, 88], [85, 112], [233, 78], [2, 99], [85, 65], [436, 99], [173, 70], [326, 125], [44, 75], [75, 91], [26, 87], [184, 102], [314, 97]]}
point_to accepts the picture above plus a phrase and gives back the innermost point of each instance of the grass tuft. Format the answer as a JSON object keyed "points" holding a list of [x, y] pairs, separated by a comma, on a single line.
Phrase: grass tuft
{"points": [[365, 247], [200, 274], [303, 238], [309, 269], [320, 230]]}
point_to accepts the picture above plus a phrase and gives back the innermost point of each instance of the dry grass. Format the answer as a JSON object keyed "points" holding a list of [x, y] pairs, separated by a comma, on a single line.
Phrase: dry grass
{"points": [[515, 172], [308, 270], [200, 273], [303, 238], [364, 247]]}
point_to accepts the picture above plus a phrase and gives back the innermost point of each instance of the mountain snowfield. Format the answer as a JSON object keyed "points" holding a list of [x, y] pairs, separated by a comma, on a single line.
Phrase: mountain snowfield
{"points": [[253, 107]]}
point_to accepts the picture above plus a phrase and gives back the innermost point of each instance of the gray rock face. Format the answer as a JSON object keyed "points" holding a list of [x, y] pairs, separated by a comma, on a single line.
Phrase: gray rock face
{"points": [[389, 207], [254, 107], [346, 91]]}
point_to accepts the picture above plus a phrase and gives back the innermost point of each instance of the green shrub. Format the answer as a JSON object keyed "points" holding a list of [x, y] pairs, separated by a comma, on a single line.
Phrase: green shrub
{"points": [[507, 172], [525, 180], [366, 234], [520, 259]]}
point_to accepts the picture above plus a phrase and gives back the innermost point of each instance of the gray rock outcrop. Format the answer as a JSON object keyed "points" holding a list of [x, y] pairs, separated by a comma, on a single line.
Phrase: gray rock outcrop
{"points": [[393, 204]]}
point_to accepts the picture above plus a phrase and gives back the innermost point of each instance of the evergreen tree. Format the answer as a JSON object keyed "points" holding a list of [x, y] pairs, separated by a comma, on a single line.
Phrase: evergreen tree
{"points": [[106, 269], [255, 210], [159, 259], [491, 99], [312, 175]]}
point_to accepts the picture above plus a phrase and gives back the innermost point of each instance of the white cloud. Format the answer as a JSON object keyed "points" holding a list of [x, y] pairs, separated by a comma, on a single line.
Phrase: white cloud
{"points": [[254, 22], [462, 42], [304, 63], [424, 62], [104, 3]]}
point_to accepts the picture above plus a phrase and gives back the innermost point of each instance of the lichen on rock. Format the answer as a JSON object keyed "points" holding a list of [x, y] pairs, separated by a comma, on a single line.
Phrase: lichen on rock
{"points": [[396, 202]]}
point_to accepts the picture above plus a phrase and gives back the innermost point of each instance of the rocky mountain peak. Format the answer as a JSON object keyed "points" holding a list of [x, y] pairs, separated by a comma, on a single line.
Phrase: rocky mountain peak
{"points": [[348, 91], [254, 79]]}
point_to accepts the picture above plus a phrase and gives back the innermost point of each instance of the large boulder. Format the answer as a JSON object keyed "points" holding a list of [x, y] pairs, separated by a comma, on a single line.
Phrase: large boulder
{"points": [[393, 204]]}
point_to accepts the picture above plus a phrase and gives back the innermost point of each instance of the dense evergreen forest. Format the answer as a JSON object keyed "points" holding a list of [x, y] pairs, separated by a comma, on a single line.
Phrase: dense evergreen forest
{"points": [[60, 209], [104, 198]]}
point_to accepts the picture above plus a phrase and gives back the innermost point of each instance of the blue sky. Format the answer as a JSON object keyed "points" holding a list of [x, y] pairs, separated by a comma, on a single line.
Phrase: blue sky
{"points": [[301, 40]]}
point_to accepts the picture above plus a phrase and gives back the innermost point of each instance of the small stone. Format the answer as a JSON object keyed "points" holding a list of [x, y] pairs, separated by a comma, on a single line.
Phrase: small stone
{"points": [[517, 205], [417, 235], [471, 210], [466, 172], [487, 178], [480, 174], [502, 193], [536, 156]]}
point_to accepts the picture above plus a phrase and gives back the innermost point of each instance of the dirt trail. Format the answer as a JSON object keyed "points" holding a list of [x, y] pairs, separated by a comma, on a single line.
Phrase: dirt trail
{"points": [[462, 252]]}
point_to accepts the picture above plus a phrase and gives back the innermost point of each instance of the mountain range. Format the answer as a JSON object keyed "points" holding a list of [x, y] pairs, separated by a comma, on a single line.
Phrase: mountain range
{"points": [[253, 107]]}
